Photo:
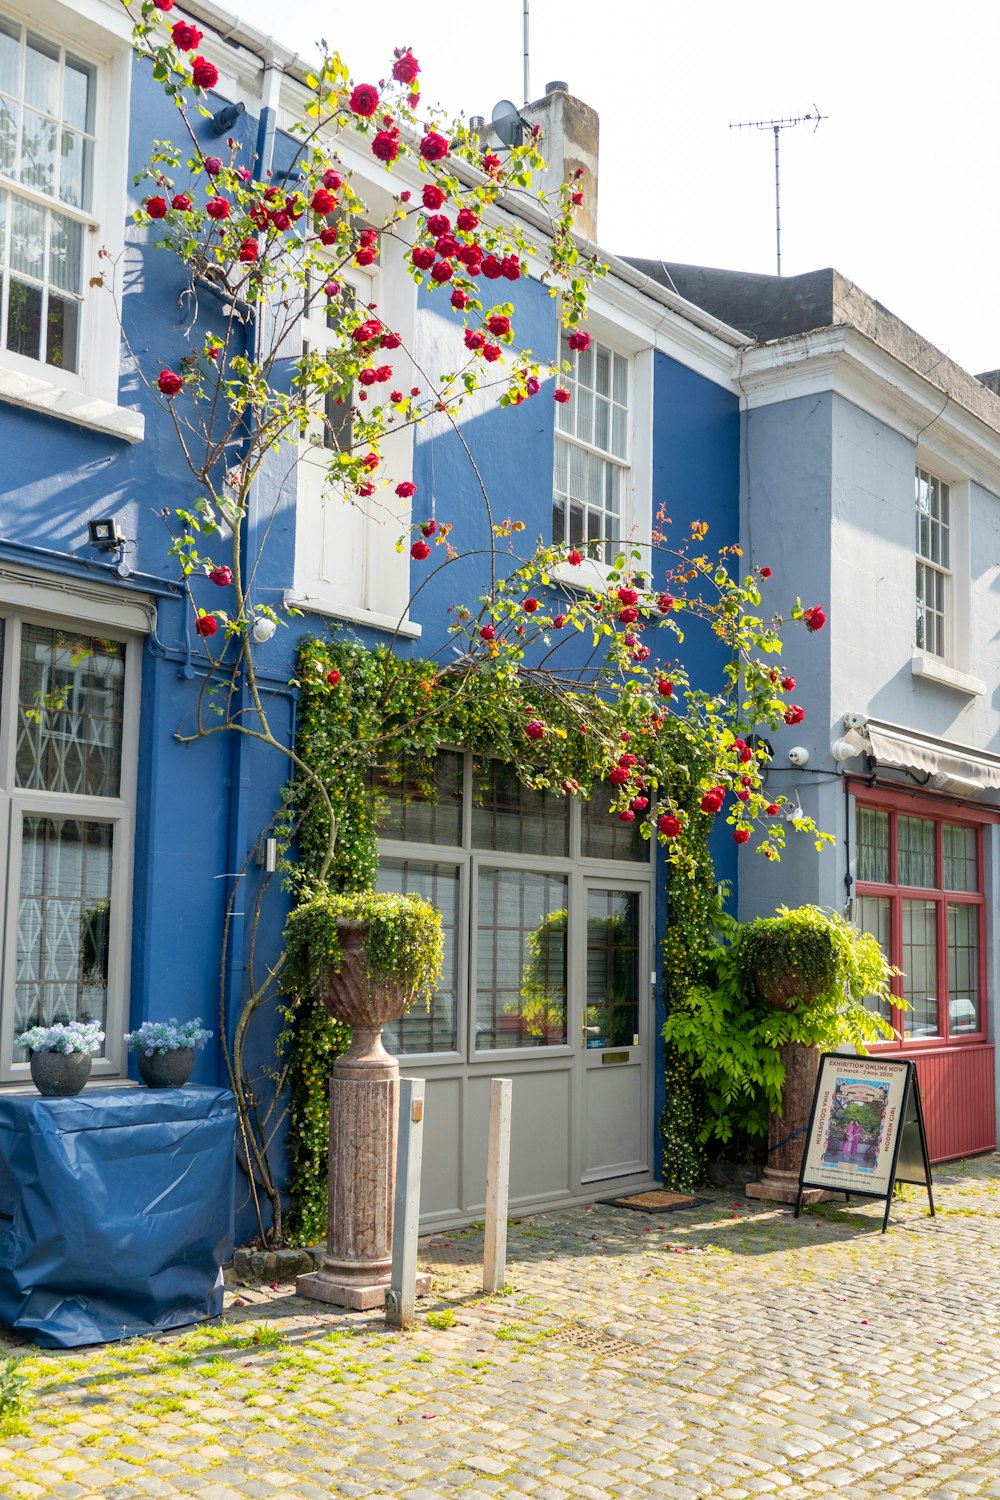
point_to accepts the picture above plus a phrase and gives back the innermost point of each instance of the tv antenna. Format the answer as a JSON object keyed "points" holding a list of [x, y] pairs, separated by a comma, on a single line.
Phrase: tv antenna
{"points": [[778, 126]]}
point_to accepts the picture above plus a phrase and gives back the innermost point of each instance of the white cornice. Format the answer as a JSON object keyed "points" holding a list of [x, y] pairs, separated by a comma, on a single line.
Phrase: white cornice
{"points": [[853, 366]]}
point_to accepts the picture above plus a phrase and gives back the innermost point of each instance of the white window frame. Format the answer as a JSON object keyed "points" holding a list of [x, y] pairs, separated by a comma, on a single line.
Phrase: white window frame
{"points": [[952, 667], [98, 32], [606, 456], [16, 803], [934, 566]]}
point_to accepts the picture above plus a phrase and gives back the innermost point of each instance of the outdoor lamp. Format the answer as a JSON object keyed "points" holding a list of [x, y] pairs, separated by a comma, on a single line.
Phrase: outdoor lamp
{"points": [[262, 629]]}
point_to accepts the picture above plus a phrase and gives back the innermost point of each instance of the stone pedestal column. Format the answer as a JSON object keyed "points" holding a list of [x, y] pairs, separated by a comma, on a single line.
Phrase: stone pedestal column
{"points": [[780, 1180], [364, 1116]]}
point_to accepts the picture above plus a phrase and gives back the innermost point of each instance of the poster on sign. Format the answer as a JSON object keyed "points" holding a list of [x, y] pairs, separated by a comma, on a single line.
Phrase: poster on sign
{"points": [[866, 1129]]}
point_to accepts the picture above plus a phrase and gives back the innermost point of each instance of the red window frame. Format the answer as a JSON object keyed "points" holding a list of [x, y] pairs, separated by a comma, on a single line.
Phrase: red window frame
{"points": [[939, 810]]}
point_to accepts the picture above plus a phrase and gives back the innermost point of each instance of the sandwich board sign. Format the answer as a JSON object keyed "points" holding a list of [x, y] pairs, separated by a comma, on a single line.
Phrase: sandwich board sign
{"points": [[866, 1130]]}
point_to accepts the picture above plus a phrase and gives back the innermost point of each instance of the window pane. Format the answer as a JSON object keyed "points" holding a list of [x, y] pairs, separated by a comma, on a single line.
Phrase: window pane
{"points": [[604, 836], [919, 967], [70, 720], [41, 75], [64, 920], [873, 845], [915, 852], [62, 333], [10, 119], [10, 58], [38, 152], [961, 866], [433, 1028], [65, 253], [24, 319], [963, 968], [612, 968], [507, 815], [420, 799], [76, 167], [78, 95], [520, 960], [873, 914]]}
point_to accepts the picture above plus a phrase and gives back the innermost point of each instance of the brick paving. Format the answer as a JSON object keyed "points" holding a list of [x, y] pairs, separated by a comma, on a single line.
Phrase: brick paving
{"points": [[722, 1350]]}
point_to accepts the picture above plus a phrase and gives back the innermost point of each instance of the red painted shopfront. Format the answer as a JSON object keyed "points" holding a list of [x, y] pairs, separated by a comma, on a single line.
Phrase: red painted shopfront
{"points": [[920, 888]]}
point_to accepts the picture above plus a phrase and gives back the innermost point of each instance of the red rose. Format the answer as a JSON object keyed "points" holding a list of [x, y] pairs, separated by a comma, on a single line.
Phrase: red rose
{"points": [[577, 199], [529, 606], [391, 341], [169, 383], [788, 683], [428, 528], [445, 245], [534, 729], [385, 145], [488, 633], [281, 221], [765, 572], [439, 224], [560, 394], [221, 575], [366, 331], [432, 197], [323, 202], [713, 799], [212, 165], [492, 268], [668, 825], [441, 271], [639, 804], [422, 257], [627, 760], [741, 835], [492, 353], [370, 461], [532, 385], [186, 37], [383, 373], [367, 376], [574, 558], [815, 618], [510, 267], [471, 257], [364, 100], [628, 596], [746, 754], [628, 816], [366, 257], [405, 489], [332, 180], [665, 603], [182, 203], [206, 625], [558, 622], [491, 163], [333, 677], [794, 714], [217, 208], [579, 340], [459, 299], [628, 616], [498, 324], [665, 687], [395, 395], [164, 4], [743, 794], [327, 235], [474, 339], [258, 216], [419, 551], [248, 251], [405, 68], [433, 147], [618, 775], [467, 220], [204, 73], [365, 489], [772, 809], [155, 207]]}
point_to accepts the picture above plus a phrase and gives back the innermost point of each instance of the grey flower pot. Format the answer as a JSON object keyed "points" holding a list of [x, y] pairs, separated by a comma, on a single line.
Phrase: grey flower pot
{"points": [[60, 1073], [166, 1070]]}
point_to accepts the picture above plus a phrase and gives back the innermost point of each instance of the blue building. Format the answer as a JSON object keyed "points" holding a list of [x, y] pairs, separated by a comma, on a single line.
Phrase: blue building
{"points": [[120, 842]]}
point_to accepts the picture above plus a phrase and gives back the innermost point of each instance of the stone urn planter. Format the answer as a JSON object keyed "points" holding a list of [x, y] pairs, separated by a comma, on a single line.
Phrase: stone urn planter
{"points": [[56, 1074], [786, 1132], [166, 1070], [356, 1267]]}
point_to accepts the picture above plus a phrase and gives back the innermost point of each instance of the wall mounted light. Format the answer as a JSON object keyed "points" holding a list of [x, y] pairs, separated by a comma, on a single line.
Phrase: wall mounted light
{"points": [[105, 534], [262, 629]]}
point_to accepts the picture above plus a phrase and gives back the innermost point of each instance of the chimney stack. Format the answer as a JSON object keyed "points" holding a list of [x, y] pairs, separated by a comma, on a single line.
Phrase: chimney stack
{"points": [[569, 141]]}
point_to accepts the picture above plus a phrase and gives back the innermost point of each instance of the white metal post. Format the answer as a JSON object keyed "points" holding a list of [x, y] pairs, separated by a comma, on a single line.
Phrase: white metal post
{"points": [[497, 1185], [400, 1296]]}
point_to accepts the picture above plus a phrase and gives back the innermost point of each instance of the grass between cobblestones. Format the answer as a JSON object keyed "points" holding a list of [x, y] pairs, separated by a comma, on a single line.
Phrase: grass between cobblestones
{"points": [[725, 1350]]}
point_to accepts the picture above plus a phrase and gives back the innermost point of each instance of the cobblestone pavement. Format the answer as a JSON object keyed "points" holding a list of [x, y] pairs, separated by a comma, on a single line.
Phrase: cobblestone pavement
{"points": [[723, 1350]]}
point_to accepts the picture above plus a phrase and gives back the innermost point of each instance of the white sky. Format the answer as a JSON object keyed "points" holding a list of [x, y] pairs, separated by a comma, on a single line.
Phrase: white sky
{"points": [[897, 189]]}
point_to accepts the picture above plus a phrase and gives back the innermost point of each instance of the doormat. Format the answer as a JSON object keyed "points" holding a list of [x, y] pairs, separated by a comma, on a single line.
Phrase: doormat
{"points": [[656, 1201]]}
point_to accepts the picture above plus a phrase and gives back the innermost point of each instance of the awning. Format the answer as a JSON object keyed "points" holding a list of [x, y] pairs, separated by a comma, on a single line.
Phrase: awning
{"points": [[952, 767]]}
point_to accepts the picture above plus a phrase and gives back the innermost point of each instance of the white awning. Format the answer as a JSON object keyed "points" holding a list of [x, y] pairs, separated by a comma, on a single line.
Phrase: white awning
{"points": [[952, 767]]}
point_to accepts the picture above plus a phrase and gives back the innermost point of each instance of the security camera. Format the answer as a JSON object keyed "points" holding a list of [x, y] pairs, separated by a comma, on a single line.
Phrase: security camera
{"points": [[798, 755], [855, 721]]}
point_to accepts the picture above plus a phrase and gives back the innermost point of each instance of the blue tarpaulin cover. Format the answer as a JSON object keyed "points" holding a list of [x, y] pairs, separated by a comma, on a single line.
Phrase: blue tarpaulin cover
{"points": [[116, 1211]]}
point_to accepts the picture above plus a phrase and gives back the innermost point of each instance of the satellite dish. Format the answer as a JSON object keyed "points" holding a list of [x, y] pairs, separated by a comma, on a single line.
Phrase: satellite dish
{"points": [[507, 123]]}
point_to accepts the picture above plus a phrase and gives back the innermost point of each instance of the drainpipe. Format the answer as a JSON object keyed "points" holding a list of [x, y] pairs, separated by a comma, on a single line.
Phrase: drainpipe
{"points": [[239, 770]]}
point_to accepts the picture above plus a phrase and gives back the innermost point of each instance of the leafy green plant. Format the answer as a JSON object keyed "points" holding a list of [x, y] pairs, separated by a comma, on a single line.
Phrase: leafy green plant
{"points": [[403, 943], [733, 1038], [444, 1319], [13, 1394]]}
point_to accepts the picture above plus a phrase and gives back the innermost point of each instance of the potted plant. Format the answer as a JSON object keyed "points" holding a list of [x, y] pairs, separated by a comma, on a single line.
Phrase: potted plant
{"points": [[367, 955], [790, 959], [165, 1051], [60, 1055]]}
